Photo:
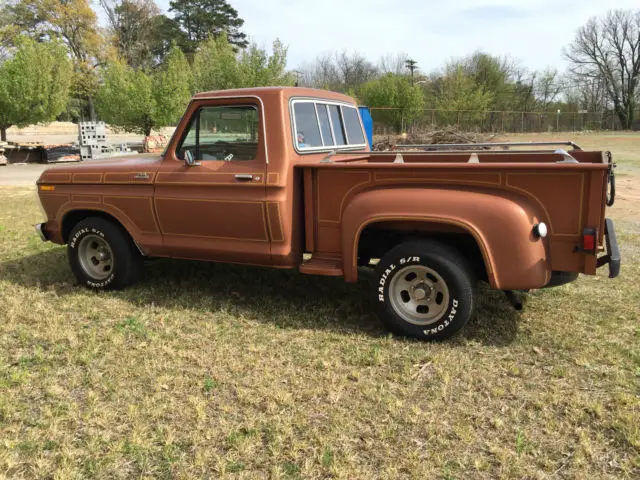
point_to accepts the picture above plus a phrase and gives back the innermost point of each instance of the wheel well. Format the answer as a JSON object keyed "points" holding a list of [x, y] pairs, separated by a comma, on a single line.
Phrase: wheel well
{"points": [[72, 218], [378, 238]]}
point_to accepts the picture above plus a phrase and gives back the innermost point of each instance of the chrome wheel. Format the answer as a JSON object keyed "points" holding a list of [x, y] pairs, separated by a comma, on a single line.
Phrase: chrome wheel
{"points": [[419, 295], [95, 256]]}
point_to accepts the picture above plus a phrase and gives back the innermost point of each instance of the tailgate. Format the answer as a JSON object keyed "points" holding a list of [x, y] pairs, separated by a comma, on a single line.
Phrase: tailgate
{"points": [[577, 250]]}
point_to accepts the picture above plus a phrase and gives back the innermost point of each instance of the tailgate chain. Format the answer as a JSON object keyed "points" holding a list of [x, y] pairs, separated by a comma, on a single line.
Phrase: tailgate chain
{"points": [[611, 181]]}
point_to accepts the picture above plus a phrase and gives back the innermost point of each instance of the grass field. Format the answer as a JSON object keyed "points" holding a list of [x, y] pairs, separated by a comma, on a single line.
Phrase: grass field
{"points": [[212, 371]]}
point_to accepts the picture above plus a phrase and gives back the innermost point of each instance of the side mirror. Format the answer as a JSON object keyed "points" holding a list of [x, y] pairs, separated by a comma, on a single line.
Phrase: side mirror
{"points": [[189, 160]]}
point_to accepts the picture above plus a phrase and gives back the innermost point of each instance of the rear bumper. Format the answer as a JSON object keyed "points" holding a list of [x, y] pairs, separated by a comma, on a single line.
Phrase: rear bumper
{"points": [[41, 232], [612, 257]]}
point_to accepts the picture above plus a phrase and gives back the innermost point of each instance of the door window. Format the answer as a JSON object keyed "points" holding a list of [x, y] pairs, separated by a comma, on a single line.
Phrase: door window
{"points": [[223, 133]]}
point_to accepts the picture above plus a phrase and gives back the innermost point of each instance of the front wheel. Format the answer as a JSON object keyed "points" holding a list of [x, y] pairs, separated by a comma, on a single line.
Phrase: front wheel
{"points": [[425, 289], [102, 255]]}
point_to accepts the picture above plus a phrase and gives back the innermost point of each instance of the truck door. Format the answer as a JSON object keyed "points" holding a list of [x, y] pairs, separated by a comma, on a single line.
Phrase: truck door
{"points": [[215, 208]]}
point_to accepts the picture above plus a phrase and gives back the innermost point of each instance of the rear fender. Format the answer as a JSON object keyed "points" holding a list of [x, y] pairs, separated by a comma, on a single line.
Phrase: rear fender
{"points": [[502, 226]]}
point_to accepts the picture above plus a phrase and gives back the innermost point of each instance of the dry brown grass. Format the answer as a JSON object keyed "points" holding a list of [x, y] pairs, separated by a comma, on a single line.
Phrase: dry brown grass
{"points": [[223, 371]]}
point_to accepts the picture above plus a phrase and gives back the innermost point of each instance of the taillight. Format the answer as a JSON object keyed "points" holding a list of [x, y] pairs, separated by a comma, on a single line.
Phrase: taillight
{"points": [[589, 240]]}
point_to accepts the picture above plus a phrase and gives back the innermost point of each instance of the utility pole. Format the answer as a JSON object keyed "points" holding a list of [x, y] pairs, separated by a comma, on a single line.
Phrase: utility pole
{"points": [[412, 65], [297, 74]]}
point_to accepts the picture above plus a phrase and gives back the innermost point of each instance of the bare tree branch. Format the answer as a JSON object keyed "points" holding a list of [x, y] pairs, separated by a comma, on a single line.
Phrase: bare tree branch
{"points": [[607, 49]]}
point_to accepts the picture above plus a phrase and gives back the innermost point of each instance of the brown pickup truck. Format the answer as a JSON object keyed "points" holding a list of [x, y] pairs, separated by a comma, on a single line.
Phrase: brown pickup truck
{"points": [[284, 177]]}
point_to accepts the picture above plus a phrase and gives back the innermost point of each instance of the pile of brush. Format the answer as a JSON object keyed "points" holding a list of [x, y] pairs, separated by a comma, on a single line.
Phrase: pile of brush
{"points": [[433, 137]]}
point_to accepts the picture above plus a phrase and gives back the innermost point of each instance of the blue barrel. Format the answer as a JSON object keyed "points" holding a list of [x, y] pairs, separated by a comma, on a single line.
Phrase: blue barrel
{"points": [[367, 121]]}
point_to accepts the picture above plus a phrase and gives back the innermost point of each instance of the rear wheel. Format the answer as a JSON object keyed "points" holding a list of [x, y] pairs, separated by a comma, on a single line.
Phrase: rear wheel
{"points": [[425, 290], [102, 256]]}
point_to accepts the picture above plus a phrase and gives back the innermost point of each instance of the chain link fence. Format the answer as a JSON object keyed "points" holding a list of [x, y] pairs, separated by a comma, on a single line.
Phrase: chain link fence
{"points": [[389, 121]]}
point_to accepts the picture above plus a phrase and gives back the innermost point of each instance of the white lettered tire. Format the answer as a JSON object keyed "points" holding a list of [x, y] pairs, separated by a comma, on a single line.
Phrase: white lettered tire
{"points": [[425, 290], [102, 256]]}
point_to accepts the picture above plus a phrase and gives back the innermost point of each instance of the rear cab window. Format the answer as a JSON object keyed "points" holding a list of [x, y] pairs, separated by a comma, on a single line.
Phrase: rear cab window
{"points": [[323, 125]]}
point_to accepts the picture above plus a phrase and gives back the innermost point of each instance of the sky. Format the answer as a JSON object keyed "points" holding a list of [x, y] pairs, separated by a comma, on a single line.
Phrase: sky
{"points": [[431, 32]]}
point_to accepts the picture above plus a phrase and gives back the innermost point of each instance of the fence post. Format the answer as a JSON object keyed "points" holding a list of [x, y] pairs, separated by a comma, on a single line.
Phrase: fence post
{"points": [[522, 131]]}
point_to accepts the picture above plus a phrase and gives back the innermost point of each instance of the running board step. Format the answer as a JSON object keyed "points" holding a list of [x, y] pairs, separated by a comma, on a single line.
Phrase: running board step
{"points": [[323, 266]]}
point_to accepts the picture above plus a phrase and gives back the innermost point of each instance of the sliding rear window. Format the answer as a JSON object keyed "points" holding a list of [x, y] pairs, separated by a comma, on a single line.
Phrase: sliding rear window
{"points": [[321, 125]]}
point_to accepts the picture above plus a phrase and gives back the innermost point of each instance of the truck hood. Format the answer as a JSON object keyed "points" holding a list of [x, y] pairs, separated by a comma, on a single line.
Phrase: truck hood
{"points": [[128, 164]]}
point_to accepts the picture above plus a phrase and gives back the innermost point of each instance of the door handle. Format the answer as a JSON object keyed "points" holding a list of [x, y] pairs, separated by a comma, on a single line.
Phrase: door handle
{"points": [[244, 177]]}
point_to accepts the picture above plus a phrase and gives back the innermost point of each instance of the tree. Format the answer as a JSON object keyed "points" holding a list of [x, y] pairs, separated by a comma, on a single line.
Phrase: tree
{"points": [[323, 73], [125, 98], [608, 49], [216, 66], [34, 84], [75, 23], [396, 64], [395, 91], [20, 18], [457, 91], [139, 102], [133, 27], [166, 33], [547, 87], [71, 22], [201, 19], [172, 87], [524, 99], [355, 70], [589, 95], [8, 30], [493, 75], [340, 72], [258, 68]]}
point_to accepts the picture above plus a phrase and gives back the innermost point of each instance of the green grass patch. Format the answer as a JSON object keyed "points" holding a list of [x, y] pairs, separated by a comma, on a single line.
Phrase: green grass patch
{"points": [[206, 370]]}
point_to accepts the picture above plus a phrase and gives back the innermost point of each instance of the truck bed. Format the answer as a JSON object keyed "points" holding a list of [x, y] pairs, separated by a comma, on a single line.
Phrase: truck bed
{"points": [[568, 191]]}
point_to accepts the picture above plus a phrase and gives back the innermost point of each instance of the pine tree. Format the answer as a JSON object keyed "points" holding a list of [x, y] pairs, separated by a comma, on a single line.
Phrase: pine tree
{"points": [[202, 19]]}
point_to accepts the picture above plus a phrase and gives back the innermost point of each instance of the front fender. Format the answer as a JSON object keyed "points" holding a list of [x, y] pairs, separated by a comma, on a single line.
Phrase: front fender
{"points": [[502, 225]]}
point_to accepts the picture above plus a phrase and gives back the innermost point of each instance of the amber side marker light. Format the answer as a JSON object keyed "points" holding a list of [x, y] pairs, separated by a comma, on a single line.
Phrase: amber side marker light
{"points": [[47, 188]]}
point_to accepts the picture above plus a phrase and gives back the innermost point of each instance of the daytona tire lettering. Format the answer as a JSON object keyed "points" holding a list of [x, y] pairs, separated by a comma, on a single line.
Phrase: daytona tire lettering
{"points": [[445, 324]]}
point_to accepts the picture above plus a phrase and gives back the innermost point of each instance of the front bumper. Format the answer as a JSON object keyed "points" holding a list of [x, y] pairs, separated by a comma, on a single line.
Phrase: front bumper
{"points": [[612, 257], [41, 232]]}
